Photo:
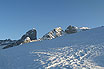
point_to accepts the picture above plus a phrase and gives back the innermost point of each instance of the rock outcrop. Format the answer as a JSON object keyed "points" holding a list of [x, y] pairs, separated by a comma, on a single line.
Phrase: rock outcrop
{"points": [[30, 36], [73, 29], [53, 34]]}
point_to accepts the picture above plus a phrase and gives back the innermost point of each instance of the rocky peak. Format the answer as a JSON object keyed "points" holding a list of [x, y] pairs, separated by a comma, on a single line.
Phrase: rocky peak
{"points": [[53, 34], [26, 38], [73, 29], [32, 34]]}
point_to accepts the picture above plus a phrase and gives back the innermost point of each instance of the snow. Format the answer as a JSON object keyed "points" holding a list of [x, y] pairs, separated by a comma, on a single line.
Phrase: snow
{"points": [[27, 38], [84, 28], [82, 50]]}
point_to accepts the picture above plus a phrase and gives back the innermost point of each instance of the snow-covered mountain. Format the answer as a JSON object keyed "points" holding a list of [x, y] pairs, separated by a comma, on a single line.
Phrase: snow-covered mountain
{"points": [[53, 34], [57, 32], [82, 50], [30, 36], [73, 29]]}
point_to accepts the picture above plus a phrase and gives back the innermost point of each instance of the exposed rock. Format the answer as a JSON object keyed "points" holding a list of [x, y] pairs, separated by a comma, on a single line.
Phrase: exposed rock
{"points": [[71, 29], [32, 34], [29, 36], [53, 34]]}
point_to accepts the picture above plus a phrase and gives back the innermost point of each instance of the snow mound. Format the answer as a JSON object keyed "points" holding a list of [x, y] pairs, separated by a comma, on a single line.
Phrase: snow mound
{"points": [[84, 28]]}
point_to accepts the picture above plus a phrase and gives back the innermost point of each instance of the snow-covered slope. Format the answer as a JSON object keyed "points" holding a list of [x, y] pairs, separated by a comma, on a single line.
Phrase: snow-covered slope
{"points": [[76, 51]]}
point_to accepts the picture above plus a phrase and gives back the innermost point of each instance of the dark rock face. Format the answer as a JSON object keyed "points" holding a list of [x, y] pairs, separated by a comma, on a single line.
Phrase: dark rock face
{"points": [[7, 42], [32, 34], [71, 29]]}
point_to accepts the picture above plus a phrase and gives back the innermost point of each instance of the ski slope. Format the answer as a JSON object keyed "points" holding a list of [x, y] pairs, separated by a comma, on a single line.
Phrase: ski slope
{"points": [[82, 50]]}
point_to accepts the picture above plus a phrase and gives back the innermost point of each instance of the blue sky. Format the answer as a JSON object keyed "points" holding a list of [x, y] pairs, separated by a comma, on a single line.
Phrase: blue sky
{"points": [[19, 16]]}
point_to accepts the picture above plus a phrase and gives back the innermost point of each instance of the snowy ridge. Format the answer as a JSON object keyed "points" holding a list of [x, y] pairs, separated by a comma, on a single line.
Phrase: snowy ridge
{"points": [[75, 51], [31, 36], [57, 32]]}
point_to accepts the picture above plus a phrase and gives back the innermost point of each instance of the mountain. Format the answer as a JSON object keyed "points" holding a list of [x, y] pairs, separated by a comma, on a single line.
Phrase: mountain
{"points": [[30, 36], [6, 42], [57, 32], [53, 34], [82, 50], [73, 29]]}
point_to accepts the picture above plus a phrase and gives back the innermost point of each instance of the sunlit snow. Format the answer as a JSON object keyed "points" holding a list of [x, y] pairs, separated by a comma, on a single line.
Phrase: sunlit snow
{"points": [[83, 50]]}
